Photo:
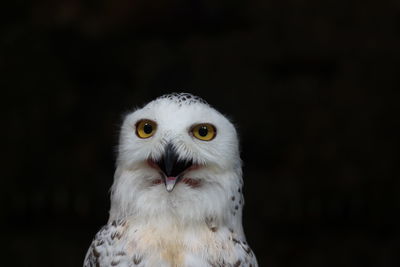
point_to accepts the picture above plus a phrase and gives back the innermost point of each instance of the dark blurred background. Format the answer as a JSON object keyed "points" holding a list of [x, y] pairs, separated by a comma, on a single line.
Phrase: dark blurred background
{"points": [[313, 87]]}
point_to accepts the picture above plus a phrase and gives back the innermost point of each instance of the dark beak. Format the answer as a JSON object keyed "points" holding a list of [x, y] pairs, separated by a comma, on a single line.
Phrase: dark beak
{"points": [[172, 168]]}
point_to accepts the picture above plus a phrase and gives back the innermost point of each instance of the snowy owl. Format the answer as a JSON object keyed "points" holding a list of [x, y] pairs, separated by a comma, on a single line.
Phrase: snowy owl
{"points": [[176, 200]]}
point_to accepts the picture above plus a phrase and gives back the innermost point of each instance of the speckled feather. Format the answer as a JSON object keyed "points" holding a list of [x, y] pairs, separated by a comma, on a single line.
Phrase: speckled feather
{"points": [[190, 226]]}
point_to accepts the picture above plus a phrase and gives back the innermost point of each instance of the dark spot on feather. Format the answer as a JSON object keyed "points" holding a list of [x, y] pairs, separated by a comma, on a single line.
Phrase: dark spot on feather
{"points": [[247, 249], [237, 264], [210, 224], [96, 253], [121, 253], [116, 234], [137, 259], [236, 207], [233, 198], [113, 263]]}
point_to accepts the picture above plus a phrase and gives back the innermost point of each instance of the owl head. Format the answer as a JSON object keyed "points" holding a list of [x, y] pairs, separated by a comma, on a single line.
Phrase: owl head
{"points": [[178, 157]]}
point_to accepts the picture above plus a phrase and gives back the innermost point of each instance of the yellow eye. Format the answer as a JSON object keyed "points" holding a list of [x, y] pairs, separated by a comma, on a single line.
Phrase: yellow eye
{"points": [[145, 128], [204, 131]]}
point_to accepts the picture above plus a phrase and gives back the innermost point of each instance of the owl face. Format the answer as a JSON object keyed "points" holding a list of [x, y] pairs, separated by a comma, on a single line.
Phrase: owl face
{"points": [[177, 155], [177, 141]]}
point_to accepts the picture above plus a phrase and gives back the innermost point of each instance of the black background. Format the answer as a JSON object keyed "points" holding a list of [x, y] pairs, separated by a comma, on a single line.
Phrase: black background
{"points": [[311, 85]]}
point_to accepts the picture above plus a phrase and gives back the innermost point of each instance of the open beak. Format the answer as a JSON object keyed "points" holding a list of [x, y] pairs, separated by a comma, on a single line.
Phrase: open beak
{"points": [[172, 169]]}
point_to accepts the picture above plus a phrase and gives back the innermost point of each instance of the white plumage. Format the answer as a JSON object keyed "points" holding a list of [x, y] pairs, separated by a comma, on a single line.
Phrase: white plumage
{"points": [[176, 200]]}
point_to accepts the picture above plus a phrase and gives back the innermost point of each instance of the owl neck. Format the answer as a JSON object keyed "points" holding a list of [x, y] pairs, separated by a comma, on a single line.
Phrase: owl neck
{"points": [[214, 204]]}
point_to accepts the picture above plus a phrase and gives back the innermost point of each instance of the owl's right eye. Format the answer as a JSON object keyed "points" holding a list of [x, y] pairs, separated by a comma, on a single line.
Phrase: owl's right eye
{"points": [[145, 128]]}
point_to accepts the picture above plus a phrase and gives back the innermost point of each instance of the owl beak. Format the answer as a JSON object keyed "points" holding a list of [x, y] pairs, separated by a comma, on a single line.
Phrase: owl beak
{"points": [[172, 168]]}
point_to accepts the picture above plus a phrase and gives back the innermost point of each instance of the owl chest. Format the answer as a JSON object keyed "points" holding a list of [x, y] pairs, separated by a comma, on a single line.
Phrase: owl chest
{"points": [[174, 247]]}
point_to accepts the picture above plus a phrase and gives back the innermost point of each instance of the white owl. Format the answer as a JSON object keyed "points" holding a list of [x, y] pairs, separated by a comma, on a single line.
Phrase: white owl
{"points": [[177, 196]]}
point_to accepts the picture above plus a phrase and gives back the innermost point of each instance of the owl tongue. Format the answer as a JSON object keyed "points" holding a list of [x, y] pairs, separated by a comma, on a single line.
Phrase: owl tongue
{"points": [[170, 182]]}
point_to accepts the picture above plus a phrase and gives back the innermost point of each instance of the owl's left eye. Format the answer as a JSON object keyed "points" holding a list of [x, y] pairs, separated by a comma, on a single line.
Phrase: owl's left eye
{"points": [[145, 128], [204, 131]]}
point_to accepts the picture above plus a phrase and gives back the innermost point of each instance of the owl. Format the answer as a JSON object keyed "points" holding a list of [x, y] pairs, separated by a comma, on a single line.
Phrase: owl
{"points": [[177, 199]]}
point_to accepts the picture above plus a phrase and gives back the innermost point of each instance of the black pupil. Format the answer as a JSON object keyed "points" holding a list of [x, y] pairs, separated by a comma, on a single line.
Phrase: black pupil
{"points": [[147, 128], [203, 131]]}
